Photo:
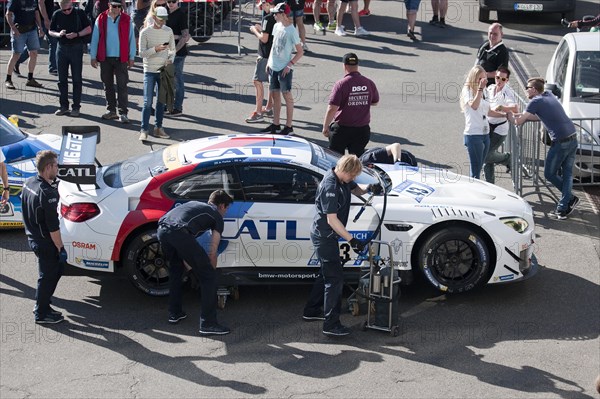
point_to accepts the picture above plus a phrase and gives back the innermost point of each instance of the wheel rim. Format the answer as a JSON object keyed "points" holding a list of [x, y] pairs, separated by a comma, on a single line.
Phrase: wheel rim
{"points": [[454, 261], [151, 266]]}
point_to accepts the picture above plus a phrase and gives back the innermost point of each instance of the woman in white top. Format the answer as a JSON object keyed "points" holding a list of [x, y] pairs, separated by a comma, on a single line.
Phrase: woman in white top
{"points": [[475, 108]]}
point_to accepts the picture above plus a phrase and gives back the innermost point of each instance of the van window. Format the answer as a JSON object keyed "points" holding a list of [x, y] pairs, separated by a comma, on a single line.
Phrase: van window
{"points": [[560, 67]]}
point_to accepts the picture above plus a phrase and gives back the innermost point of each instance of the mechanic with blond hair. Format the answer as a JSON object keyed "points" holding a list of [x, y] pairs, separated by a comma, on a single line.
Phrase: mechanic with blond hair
{"points": [[332, 203]]}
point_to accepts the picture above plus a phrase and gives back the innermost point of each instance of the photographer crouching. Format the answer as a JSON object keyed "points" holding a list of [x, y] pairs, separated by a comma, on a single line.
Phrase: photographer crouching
{"points": [[40, 216]]}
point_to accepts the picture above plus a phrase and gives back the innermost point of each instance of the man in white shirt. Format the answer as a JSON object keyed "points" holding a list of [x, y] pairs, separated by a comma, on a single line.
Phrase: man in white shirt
{"points": [[501, 99]]}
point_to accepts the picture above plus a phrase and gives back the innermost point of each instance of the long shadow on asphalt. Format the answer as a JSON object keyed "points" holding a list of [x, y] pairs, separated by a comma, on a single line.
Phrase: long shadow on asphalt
{"points": [[444, 331]]}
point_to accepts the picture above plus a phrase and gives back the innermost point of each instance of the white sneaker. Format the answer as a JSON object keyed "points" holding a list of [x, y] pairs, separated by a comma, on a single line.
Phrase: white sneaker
{"points": [[143, 135], [360, 31], [305, 47], [340, 32]]}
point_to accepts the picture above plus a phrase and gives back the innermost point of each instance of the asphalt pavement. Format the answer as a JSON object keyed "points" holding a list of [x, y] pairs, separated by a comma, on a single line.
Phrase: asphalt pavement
{"points": [[536, 339]]}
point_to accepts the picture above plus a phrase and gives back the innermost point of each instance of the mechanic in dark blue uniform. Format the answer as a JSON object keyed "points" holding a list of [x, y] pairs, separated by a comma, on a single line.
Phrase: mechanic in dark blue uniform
{"points": [[389, 154], [333, 206], [40, 216], [177, 232]]}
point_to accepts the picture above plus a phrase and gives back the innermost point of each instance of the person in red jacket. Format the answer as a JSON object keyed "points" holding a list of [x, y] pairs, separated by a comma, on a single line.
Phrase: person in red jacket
{"points": [[113, 46]]}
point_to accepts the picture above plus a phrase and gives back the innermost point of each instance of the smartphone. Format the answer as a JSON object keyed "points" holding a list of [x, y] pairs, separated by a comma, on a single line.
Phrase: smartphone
{"points": [[166, 43]]}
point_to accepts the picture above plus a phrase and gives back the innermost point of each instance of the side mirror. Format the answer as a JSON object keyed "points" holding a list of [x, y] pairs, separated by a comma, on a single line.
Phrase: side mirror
{"points": [[553, 88]]}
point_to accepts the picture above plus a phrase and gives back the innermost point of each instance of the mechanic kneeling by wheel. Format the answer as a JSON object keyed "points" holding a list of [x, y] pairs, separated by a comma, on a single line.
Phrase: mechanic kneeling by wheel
{"points": [[177, 232], [40, 217], [333, 206]]}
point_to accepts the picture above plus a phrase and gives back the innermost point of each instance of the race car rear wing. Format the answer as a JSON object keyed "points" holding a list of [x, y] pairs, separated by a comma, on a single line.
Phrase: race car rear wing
{"points": [[77, 161]]}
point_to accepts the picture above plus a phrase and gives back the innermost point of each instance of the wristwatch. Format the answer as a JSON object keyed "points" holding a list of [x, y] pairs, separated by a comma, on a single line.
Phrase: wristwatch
{"points": [[5, 188]]}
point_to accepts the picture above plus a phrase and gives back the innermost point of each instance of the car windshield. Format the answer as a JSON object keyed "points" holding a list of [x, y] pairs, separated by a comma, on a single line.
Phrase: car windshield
{"points": [[9, 133], [134, 170], [587, 71]]}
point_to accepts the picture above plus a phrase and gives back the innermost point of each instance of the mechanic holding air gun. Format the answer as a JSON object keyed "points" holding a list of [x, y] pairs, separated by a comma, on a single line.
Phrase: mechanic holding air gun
{"points": [[333, 207], [40, 217]]}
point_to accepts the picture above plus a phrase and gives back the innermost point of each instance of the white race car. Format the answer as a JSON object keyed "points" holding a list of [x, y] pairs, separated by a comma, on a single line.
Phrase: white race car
{"points": [[460, 233], [20, 149]]}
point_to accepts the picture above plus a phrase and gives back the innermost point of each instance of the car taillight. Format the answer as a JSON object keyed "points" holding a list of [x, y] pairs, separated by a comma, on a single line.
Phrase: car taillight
{"points": [[79, 212]]}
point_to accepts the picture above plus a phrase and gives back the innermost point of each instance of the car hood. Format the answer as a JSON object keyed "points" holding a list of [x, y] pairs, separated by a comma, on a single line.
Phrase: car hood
{"points": [[443, 188], [29, 147]]}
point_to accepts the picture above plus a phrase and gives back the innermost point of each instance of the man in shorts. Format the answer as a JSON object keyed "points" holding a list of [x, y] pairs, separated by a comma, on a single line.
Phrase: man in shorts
{"points": [[280, 66], [297, 7], [264, 34], [412, 6], [25, 24], [358, 30]]}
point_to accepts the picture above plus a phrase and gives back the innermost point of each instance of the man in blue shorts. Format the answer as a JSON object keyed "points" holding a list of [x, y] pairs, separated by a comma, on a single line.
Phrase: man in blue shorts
{"points": [[412, 6], [25, 24], [280, 67]]}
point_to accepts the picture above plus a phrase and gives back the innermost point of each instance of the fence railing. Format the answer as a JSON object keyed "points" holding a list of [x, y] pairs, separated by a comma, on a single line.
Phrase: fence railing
{"points": [[529, 144]]}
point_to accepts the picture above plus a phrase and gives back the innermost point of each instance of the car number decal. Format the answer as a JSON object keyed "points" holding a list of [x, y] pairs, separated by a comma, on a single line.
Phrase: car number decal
{"points": [[414, 189]]}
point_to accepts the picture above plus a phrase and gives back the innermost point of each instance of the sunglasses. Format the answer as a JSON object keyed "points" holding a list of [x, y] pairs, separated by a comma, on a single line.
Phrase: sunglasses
{"points": [[501, 78], [116, 5], [66, 9], [172, 1]]}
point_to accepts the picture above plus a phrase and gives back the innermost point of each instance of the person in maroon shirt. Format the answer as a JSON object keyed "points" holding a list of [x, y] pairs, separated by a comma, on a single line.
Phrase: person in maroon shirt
{"points": [[350, 110]]}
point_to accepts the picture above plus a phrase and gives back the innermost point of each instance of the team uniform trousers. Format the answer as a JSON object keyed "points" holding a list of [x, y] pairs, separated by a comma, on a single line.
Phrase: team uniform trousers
{"points": [[329, 285], [179, 245], [50, 271]]}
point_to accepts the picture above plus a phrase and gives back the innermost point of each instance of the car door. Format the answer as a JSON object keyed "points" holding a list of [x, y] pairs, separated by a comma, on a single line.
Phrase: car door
{"points": [[279, 209], [198, 186]]}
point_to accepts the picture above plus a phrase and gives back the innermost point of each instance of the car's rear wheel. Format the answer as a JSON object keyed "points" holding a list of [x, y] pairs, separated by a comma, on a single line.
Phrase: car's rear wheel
{"points": [[455, 259], [145, 265]]}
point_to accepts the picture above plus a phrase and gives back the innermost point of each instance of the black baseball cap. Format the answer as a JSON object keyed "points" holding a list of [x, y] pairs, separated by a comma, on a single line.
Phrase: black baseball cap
{"points": [[350, 59]]}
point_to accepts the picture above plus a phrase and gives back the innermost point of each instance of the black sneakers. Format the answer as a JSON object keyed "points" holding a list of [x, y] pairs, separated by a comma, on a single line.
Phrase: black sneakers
{"points": [[174, 318], [572, 204], [562, 215], [336, 331], [51, 318], [313, 316], [287, 131], [272, 128], [214, 329]]}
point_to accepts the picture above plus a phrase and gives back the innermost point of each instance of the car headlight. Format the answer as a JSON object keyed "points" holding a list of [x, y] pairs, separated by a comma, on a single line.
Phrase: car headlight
{"points": [[516, 223], [584, 136]]}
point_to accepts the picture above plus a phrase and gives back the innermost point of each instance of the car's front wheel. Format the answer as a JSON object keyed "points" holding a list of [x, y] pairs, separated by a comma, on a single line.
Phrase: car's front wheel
{"points": [[455, 259], [145, 265]]}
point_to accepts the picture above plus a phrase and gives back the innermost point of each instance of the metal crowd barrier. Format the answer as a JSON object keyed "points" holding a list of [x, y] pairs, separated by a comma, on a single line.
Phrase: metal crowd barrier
{"points": [[529, 144]]}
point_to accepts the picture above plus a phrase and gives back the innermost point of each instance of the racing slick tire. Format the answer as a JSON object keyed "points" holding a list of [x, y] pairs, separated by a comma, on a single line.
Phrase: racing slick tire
{"points": [[455, 259], [145, 264]]}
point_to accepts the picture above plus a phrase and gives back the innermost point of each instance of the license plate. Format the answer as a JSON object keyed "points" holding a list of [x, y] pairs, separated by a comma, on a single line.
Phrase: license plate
{"points": [[528, 7]]}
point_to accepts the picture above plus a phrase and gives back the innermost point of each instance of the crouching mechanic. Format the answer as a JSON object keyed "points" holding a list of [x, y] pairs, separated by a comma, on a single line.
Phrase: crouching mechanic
{"points": [[389, 154], [177, 232], [40, 217], [333, 206]]}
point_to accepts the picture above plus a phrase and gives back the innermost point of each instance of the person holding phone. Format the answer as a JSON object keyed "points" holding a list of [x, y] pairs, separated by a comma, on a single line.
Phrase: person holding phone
{"points": [[157, 49]]}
